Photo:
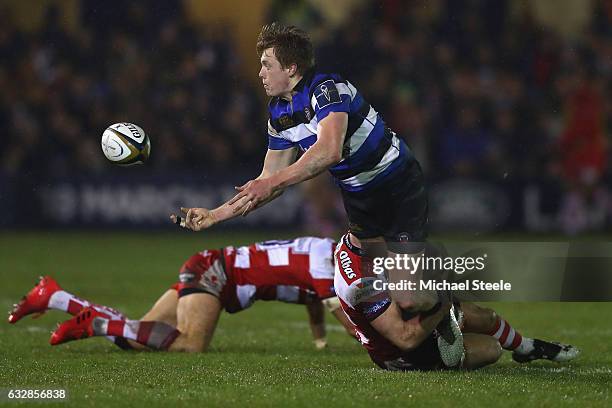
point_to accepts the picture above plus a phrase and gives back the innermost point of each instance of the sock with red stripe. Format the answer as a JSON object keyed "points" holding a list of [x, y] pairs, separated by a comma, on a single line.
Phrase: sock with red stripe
{"points": [[157, 335], [69, 303], [511, 339]]}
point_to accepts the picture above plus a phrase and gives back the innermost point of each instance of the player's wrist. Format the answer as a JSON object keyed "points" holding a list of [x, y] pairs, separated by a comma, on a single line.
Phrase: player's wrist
{"points": [[213, 216], [275, 181]]}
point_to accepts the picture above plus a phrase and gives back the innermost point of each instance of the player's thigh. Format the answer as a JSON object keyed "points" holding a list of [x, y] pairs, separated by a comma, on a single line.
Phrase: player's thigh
{"points": [[197, 316], [480, 350], [164, 309], [477, 319]]}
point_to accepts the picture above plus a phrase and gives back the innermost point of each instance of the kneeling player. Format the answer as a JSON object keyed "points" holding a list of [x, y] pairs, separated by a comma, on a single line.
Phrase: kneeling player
{"points": [[449, 336], [185, 317]]}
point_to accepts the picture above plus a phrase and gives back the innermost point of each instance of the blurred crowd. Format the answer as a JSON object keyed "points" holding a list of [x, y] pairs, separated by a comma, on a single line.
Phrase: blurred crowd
{"points": [[481, 93], [477, 91], [140, 62]]}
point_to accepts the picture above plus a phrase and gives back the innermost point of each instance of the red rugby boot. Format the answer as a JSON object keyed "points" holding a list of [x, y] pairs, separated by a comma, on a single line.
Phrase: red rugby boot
{"points": [[36, 301], [79, 327]]}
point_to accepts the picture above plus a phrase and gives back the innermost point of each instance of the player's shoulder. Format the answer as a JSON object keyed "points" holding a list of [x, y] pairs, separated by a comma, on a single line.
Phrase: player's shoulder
{"points": [[325, 79], [327, 88]]}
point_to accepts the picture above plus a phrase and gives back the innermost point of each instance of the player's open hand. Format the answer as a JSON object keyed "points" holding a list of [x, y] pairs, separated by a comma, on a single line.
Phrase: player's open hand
{"points": [[251, 195], [195, 219]]}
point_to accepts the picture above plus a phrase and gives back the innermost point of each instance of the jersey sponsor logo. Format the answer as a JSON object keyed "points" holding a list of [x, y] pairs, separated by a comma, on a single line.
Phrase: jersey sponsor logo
{"points": [[285, 121], [346, 265], [365, 291], [326, 94], [373, 310], [308, 113]]}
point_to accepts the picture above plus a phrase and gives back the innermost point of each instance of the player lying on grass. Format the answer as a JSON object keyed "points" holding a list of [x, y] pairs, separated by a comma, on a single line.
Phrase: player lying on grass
{"points": [[184, 318], [462, 335]]}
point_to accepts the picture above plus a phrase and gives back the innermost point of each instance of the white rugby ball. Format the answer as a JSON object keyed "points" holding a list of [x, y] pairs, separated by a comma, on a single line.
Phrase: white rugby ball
{"points": [[125, 144]]}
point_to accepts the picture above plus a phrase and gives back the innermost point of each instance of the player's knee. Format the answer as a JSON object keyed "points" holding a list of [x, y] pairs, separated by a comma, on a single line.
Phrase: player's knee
{"points": [[195, 348], [479, 319], [187, 344], [480, 350], [488, 317], [494, 350], [490, 351], [190, 348]]}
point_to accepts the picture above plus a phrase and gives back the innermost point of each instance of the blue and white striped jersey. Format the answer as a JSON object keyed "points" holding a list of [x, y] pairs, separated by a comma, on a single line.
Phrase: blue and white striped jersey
{"points": [[371, 152]]}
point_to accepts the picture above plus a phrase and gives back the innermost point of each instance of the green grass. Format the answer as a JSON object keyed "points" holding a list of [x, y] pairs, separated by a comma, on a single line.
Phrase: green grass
{"points": [[263, 356]]}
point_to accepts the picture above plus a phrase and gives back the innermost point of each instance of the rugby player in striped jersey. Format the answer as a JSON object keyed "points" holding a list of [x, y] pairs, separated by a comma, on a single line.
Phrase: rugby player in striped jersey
{"points": [[323, 116], [184, 318]]}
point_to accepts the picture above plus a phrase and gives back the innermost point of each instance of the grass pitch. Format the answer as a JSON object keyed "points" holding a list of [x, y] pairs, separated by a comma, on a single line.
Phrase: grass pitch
{"points": [[263, 356]]}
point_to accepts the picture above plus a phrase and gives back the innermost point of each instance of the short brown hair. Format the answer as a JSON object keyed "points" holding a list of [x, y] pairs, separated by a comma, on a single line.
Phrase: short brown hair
{"points": [[291, 45]]}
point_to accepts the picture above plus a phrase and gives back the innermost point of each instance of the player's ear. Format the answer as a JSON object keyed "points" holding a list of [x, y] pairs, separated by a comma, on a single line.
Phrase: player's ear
{"points": [[292, 70]]}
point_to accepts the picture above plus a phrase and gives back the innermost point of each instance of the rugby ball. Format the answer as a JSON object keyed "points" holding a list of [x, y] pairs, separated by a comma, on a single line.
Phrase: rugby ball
{"points": [[125, 144]]}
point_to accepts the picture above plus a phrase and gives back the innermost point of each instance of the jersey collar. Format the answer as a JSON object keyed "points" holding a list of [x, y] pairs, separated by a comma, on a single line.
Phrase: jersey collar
{"points": [[308, 75]]}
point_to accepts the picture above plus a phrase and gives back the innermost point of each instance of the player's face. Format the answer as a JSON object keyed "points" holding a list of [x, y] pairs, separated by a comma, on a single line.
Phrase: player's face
{"points": [[276, 79]]}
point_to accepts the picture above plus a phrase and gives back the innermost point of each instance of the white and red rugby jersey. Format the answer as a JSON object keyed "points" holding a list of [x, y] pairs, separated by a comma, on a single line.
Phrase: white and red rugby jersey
{"points": [[288, 271]]}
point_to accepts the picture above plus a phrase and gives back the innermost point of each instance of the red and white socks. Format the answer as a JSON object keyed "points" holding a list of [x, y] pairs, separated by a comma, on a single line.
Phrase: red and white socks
{"points": [[153, 334], [69, 303], [511, 339]]}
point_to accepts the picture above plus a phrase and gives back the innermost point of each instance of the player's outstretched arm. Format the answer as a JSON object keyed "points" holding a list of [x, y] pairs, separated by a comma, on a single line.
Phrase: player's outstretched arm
{"points": [[275, 161], [198, 219], [326, 152], [407, 334]]}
